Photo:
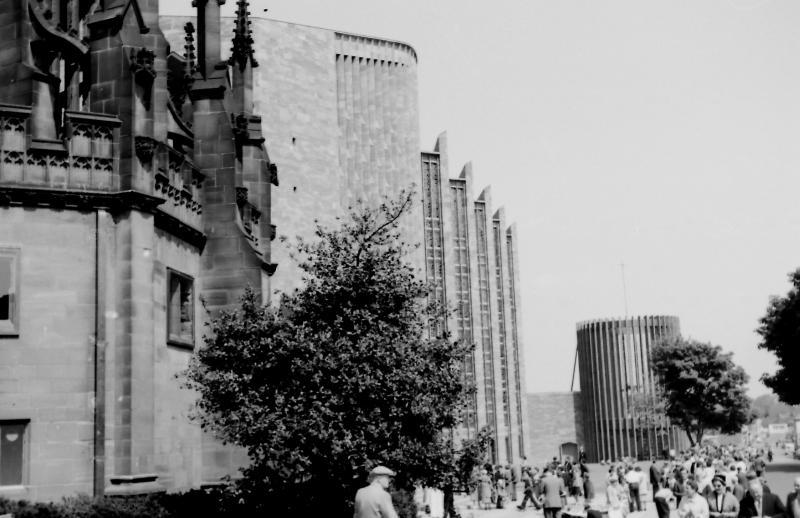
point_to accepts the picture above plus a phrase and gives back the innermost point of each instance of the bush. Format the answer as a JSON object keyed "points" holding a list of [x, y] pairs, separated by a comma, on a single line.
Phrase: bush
{"points": [[220, 502], [84, 506], [343, 375], [25, 509], [403, 501]]}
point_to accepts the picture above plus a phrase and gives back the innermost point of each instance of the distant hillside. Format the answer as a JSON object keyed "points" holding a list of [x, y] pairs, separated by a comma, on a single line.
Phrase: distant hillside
{"points": [[770, 410]]}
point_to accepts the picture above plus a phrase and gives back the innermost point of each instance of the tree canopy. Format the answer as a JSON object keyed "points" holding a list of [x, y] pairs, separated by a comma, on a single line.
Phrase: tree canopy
{"points": [[342, 375], [780, 334], [702, 388]]}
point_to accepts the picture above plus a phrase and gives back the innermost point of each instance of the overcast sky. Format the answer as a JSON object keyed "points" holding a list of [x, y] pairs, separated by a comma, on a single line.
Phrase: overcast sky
{"points": [[662, 135]]}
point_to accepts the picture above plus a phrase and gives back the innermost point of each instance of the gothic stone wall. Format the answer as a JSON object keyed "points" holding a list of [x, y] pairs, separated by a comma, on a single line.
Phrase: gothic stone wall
{"points": [[553, 419], [46, 372]]}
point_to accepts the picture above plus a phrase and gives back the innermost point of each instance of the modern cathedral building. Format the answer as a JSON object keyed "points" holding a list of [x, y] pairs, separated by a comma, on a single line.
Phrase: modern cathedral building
{"points": [[614, 415], [618, 388], [471, 260], [137, 199], [341, 119]]}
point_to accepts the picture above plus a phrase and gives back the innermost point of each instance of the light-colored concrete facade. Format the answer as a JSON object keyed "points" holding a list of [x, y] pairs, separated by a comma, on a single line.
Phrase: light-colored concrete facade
{"points": [[618, 388], [472, 263], [341, 116]]}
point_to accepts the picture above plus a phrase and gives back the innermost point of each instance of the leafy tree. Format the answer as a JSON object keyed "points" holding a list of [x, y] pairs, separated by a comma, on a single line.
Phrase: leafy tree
{"points": [[341, 376], [473, 454], [702, 388], [780, 334]]}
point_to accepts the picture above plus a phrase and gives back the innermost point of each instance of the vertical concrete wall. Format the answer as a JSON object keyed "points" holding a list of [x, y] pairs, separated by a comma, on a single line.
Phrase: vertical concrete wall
{"points": [[487, 339], [471, 262], [517, 349], [459, 204], [341, 121], [340, 118], [554, 418], [376, 84], [296, 93], [618, 385], [505, 335]]}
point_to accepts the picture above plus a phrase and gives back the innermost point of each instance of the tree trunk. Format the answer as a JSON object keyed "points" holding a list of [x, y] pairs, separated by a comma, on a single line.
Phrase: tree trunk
{"points": [[688, 431], [700, 433]]}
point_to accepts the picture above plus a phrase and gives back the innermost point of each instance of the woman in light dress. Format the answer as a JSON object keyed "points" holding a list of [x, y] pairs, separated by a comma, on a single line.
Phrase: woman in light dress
{"points": [[617, 503], [693, 505], [577, 482], [484, 490]]}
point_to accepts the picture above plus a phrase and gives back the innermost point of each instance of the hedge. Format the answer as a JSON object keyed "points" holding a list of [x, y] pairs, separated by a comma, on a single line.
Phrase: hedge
{"points": [[221, 502]]}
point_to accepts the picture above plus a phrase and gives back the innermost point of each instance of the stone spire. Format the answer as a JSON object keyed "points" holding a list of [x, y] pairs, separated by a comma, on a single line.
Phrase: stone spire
{"points": [[208, 41], [242, 49], [189, 49]]}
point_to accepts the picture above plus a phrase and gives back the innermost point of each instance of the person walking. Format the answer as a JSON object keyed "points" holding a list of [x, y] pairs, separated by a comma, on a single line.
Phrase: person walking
{"points": [[500, 488], [374, 501], [655, 475], [577, 482], [529, 488], [617, 507], [679, 485], [692, 504], [516, 476], [721, 503], [484, 489], [634, 477], [588, 487], [792, 501], [553, 493], [661, 498], [758, 503]]}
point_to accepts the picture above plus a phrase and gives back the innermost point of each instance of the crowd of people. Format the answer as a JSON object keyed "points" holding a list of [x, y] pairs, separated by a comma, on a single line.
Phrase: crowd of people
{"points": [[544, 488], [718, 482], [707, 482]]}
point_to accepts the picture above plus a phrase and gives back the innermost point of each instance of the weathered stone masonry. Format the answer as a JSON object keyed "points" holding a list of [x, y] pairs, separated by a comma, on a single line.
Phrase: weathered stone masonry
{"points": [[135, 197]]}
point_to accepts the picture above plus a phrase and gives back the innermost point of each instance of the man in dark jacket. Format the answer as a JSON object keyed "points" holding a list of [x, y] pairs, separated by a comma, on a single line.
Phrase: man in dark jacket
{"points": [[530, 491], [655, 474], [758, 503], [553, 494], [792, 508]]}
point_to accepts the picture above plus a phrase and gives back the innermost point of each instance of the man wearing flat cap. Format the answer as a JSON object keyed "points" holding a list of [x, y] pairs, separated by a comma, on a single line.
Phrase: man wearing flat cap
{"points": [[374, 501]]}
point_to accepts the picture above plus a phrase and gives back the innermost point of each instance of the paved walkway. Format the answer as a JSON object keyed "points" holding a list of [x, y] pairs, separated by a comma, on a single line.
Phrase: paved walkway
{"points": [[512, 511], [781, 474]]}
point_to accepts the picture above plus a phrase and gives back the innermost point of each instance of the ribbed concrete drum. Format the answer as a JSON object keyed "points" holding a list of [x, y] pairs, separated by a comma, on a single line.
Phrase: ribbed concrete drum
{"points": [[618, 387]]}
